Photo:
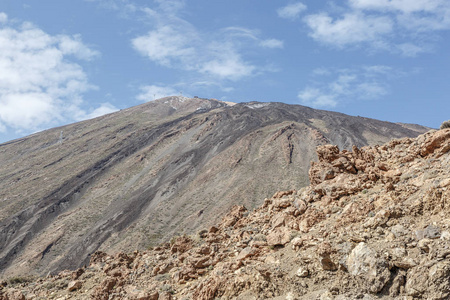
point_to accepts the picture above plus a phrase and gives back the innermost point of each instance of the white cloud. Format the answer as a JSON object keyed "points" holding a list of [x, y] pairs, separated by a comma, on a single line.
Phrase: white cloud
{"points": [[415, 15], [125, 7], [291, 11], [171, 6], [184, 49], [166, 45], [172, 46], [225, 63], [27, 110], [176, 43], [316, 98], [426, 22], [40, 84], [228, 67], [407, 27], [3, 17], [240, 32], [377, 69], [272, 43], [353, 28], [337, 86], [321, 71], [72, 45], [152, 92], [411, 50], [404, 6], [103, 109]]}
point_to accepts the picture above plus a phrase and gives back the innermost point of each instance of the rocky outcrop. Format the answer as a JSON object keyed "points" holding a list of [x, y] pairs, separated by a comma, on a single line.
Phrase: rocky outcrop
{"points": [[372, 225]]}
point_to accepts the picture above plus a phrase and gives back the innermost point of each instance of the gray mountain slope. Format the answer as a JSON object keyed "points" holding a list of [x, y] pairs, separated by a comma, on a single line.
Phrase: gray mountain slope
{"points": [[141, 175]]}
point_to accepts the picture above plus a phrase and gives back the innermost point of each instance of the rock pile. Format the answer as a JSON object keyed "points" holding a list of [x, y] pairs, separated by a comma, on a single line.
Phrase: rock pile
{"points": [[373, 224]]}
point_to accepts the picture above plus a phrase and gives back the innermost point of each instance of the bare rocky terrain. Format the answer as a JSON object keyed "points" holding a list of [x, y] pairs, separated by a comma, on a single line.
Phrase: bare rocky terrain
{"points": [[373, 224], [135, 178]]}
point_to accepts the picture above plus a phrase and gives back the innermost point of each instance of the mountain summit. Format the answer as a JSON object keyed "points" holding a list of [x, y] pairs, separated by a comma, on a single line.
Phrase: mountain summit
{"points": [[134, 178]]}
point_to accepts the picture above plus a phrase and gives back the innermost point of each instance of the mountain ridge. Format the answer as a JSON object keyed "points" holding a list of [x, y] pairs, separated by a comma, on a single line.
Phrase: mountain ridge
{"points": [[117, 179]]}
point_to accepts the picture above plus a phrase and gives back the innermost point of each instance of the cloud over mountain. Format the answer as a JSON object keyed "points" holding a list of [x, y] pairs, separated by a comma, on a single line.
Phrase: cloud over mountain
{"points": [[405, 27], [41, 82]]}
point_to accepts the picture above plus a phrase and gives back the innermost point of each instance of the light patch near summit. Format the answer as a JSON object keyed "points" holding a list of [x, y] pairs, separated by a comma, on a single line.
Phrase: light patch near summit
{"points": [[320, 124], [257, 105]]}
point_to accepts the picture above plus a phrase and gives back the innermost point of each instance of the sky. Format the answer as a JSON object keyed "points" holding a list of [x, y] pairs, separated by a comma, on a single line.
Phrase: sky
{"points": [[70, 60]]}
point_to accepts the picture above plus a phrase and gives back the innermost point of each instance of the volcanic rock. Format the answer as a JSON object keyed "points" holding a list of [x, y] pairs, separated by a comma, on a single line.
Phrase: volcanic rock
{"points": [[363, 243], [173, 166]]}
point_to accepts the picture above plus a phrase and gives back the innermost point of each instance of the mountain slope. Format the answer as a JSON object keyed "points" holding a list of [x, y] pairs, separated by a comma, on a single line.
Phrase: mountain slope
{"points": [[372, 225], [136, 177]]}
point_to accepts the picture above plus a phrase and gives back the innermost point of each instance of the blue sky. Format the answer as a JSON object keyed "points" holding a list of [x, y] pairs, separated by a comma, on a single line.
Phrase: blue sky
{"points": [[69, 60]]}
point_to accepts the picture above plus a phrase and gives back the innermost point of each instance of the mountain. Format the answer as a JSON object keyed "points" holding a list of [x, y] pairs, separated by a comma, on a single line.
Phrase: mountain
{"points": [[134, 178], [373, 224]]}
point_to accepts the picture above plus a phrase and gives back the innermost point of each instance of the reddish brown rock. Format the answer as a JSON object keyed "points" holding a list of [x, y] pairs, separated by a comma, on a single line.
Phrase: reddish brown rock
{"points": [[327, 153], [438, 139], [165, 296], [14, 294], [245, 253], [279, 195], [279, 236], [103, 290], [74, 285], [77, 273], [233, 216], [181, 244]]}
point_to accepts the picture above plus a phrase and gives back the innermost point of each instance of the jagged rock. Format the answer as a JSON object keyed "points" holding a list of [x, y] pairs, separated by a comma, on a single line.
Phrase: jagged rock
{"points": [[327, 153], [398, 284], [279, 220], [165, 296], [424, 245], [102, 291], [445, 235], [233, 216], [181, 244], [380, 218], [296, 243], [279, 236], [213, 229], [281, 194], [153, 295], [14, 294], [300, 205], [162, 268], [325, 251], [76, 274], [430, 232], [135, 293], [417, 281], [436, 141], [399, 230], [439, 283], [327, 264], [246, 252], [367, 263], [207, 289], [404, 264], [74, 285], [302, 272]]}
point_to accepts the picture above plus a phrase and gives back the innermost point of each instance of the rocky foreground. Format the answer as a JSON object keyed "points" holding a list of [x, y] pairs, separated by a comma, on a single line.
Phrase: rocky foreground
{"points": [[373, 224]]}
